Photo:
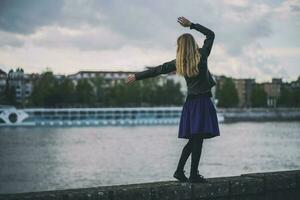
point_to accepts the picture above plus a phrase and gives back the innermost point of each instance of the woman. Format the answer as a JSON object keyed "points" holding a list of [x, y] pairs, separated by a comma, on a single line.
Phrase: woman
{"points": [[198, 118]]}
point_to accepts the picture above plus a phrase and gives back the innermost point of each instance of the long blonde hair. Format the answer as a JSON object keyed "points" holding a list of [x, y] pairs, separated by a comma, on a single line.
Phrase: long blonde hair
{"points": [[187, 56]]}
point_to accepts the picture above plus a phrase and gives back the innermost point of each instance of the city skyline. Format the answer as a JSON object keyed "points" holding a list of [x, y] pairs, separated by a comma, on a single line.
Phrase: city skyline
{"points": [[131, 71], [254, 39]]}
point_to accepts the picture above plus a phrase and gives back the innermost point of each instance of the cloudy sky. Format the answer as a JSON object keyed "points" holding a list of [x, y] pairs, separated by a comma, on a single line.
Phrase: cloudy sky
{"points": [[254, 38]]}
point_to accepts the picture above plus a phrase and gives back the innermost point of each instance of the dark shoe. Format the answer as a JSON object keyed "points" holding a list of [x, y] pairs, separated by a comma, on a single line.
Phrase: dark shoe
{"points": [[198, 178], [179, 175]]}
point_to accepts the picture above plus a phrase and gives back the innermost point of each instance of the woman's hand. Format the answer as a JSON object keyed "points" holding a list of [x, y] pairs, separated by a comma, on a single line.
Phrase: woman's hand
{"points": [[130, 78], [184, 22]]}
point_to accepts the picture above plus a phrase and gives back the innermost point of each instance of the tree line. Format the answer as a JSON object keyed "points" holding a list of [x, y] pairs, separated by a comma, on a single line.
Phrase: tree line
{"points": [[49, 91], [227, 95]]}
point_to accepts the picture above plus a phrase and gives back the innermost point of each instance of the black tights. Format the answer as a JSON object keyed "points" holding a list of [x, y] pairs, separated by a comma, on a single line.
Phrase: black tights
{"points": [[194, 147]]}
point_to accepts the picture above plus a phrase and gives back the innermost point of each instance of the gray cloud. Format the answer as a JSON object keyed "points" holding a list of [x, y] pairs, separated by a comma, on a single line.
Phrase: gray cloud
{"points": [[295, 8], [100, 25], [143, 23], [9, 40], [26, 16]]}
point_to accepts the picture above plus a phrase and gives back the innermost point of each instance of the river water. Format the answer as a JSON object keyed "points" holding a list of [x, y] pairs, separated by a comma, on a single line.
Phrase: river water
{"points": [[38, 159]]}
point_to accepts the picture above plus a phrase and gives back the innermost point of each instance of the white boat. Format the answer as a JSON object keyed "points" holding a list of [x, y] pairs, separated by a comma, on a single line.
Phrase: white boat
{"points": [[10, 116]]}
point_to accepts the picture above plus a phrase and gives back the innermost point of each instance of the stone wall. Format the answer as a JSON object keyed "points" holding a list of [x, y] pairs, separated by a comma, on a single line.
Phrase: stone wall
{"points": [[280, 185]]}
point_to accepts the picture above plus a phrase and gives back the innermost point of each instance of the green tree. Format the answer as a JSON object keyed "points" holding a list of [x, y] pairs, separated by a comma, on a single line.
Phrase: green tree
{"points": [[147, 92], [117, 95], [43, 93], [9, 95], [135, 94], [66, 92], [297, 96], [175, 96], [289, 97], [100, 90], [227, 95], [168, 93], [150, 91], [124, 95], [85, 93], [258, 96]]}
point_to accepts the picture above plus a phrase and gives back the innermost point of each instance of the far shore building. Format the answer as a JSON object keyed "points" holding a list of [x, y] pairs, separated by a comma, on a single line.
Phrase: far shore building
{"points": [[296, 83], [244, 88], [273, 90], [23, 84], [110, 77], [3, 80], [20, 82], [290, 86]]}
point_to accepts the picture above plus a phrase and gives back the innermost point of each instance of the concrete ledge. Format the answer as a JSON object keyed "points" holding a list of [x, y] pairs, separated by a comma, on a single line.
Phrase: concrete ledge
{"points": [[268, 185]]}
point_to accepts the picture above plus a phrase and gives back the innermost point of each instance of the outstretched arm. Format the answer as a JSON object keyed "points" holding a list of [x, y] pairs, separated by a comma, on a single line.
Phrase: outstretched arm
{"points": [[210, 35], [209, 40], [164, 68]]}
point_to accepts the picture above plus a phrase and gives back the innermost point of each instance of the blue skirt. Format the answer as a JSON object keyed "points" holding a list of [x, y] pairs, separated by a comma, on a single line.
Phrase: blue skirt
{"points": [[199, 117]]}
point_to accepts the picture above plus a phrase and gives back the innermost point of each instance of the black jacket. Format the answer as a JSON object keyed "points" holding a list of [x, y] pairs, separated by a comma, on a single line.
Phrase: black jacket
{"points": [[197, 85]]}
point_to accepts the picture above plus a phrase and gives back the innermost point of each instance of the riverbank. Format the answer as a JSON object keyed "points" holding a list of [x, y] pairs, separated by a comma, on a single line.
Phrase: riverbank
{"points": [[259, 114], [265, 185]]}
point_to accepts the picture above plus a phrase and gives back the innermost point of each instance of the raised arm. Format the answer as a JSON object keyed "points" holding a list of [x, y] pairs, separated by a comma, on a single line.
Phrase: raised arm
{"points": [[164, 68], [210, 36]]}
